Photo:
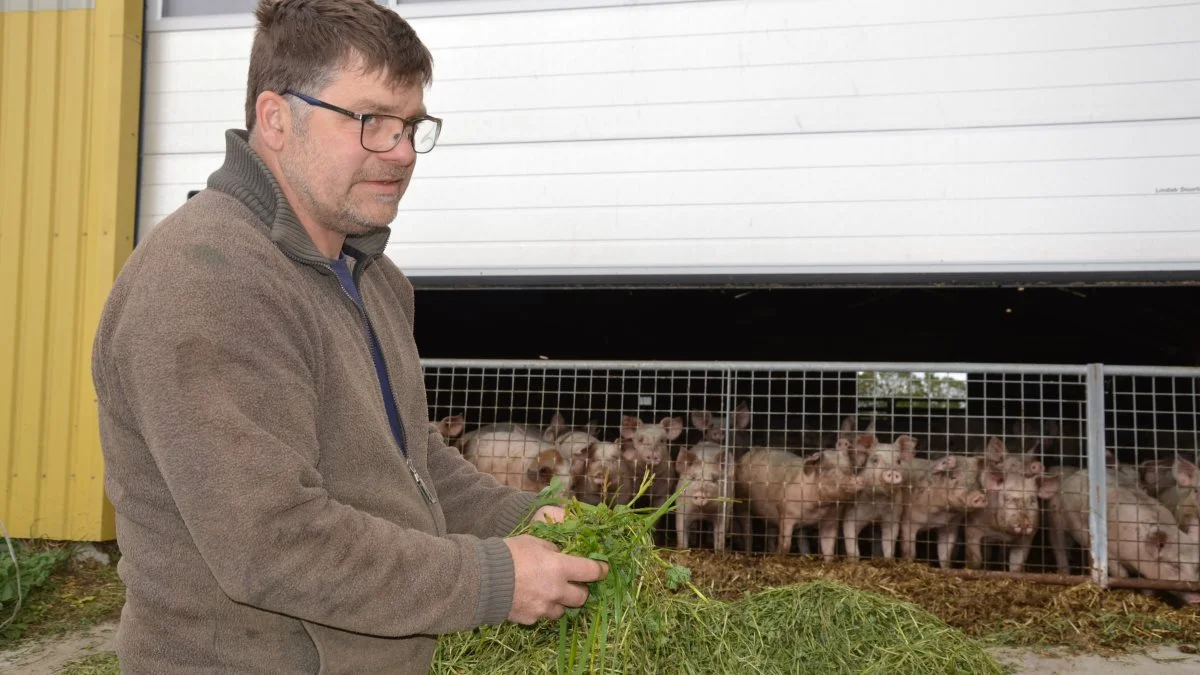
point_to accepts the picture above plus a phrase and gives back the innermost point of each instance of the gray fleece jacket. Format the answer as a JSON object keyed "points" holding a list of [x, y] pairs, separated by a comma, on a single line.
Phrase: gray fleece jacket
{"points": [[267, 520]]}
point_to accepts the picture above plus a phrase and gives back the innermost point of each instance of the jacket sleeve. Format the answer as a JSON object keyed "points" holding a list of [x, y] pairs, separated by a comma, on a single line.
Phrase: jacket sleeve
{"points": [[216, 363], [473, 502]]}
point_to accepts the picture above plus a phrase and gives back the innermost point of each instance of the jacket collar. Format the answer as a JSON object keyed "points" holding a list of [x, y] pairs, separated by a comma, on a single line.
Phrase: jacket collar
{"points": [[245, 177]]}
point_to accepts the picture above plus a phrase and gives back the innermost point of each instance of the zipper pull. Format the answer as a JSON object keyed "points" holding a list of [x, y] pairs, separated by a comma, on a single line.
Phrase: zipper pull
{"points": [[425, 491]]}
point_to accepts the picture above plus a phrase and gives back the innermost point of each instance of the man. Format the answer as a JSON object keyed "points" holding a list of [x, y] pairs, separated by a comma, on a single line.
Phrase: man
{"points": [[283, 504]]}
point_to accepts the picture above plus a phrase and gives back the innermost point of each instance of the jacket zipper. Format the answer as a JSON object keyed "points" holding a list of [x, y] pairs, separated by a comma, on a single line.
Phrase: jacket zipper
{"points": [[426, 493]]}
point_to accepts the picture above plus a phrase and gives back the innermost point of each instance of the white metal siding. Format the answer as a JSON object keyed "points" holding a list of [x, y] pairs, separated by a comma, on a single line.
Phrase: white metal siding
{"points": [[825, 137]]}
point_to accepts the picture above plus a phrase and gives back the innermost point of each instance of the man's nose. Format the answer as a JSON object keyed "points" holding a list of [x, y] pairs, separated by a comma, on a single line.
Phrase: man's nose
{"points": [[403, 154]]}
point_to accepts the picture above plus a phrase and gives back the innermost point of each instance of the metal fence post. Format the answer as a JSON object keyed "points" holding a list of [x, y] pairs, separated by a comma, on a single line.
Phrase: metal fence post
{"points": [[1097, 475], [727, 487]]}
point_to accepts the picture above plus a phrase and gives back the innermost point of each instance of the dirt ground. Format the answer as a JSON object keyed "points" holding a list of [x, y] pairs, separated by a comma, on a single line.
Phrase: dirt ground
{"points": [[1161, 661], [48, 657]]}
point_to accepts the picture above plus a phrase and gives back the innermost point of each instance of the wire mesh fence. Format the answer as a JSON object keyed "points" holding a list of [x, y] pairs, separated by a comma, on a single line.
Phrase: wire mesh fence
{"points": [[979, 466]]}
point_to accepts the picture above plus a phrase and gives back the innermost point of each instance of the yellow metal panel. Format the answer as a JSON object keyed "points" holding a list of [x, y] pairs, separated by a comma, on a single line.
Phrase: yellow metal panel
{"points": [[70, 83], [112, 210], [66, 320], [15, 50], [35, 459]]}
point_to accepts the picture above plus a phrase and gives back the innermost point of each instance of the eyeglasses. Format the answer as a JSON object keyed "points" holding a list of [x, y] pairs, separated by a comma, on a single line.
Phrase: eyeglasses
{"points": [[381, 133]]}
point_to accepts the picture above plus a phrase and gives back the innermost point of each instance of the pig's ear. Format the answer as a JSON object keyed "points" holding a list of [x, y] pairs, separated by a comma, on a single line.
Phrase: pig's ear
{"points": [[629, 426], [995, 450], [451, 426], [701, 419], [1157, 540], [554, 427], [865, 441], [674, 427], [908, 447], [741, 416], [870, 427], [1193, 529], [1109, 458], [812, 463], [1048, 485], [1184, 472], [993, 479], [685, 458], [849, 425]]}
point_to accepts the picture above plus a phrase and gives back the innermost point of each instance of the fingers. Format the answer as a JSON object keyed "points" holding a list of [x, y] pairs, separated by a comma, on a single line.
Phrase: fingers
{"points": [[550, 514], [574, 596], [583, 570]]}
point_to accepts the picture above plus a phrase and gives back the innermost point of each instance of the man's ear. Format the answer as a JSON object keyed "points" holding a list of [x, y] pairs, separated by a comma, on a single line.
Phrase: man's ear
{"points": [[272, 117]]}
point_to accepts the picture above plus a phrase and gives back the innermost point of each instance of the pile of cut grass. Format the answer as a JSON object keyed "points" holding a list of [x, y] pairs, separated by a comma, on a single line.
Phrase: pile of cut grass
{"points": [[1008, 612], [648, 617]]}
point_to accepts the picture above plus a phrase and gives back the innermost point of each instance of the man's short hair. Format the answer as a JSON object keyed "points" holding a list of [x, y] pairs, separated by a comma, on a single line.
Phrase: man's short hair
{"points": [[301, 45]]}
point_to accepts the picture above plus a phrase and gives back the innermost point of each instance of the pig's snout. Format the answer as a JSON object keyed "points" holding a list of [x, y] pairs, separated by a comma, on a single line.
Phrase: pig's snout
{"points": [[1023, 525], [892, 477], [1035, 468], [1190, 598], [975, 500]]}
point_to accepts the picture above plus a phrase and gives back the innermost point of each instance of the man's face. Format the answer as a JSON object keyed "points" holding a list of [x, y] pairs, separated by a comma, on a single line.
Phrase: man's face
{"points": [[342, 186]]}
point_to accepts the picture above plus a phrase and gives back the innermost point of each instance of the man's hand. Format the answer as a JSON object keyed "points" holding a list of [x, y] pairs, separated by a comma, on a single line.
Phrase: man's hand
{"points": [[549, 514], [547, 581]]}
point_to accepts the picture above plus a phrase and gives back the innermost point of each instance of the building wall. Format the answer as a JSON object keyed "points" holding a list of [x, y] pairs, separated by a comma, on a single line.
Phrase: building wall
{"points": [[824, 138], [70, 84]]}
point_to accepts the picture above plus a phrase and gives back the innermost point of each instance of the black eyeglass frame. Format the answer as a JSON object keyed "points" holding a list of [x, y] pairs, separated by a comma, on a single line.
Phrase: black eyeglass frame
{"points": [[363, 117]]}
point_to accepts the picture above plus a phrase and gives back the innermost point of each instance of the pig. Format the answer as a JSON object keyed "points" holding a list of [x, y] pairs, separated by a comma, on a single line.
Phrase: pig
{"points": [[996, 454], [1182, 498], [1143, 535], [792, 491], [1011, 514], [557, 426], [450, 427], [713, 426], [1125, 475], [1157, 476], [703, 478], [881, 499], [606, 476], [516, 457], [645, 447], [939, 495], [574, 444]]}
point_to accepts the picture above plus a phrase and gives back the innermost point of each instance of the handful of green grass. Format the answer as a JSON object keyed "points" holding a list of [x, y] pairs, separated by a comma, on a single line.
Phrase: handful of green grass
{"points": [[621, 536]]}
